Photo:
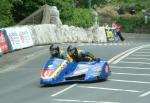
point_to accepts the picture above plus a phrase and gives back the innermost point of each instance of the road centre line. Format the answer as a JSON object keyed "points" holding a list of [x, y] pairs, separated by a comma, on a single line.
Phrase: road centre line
{"points": [[137, 58], [131, 74], [134, 62], [81, 101], [145, 94], [129, 52], [128, 81], [129, 67], [57, 93], [110, 89]]}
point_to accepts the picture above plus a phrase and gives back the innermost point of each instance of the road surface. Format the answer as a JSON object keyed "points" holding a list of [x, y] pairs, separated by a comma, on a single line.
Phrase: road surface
{"points": [[129, 83]]}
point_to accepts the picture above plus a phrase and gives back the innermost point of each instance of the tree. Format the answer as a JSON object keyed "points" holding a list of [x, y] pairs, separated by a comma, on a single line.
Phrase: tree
{"points": [[81, 18], [85, 3], [5, 13], [65, 8], [23, 8]]}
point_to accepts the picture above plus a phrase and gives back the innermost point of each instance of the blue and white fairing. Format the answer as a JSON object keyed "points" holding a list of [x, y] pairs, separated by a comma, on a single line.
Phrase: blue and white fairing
{"points": [[61, 71]]}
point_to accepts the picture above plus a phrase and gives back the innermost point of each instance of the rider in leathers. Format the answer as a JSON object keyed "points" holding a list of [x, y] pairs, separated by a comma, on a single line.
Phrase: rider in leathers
{"points": [[73, 54]]}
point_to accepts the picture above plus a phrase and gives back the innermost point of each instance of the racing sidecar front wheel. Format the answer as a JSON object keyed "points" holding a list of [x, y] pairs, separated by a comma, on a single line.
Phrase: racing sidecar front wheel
{"points": [[106, 78], [107, 69]]}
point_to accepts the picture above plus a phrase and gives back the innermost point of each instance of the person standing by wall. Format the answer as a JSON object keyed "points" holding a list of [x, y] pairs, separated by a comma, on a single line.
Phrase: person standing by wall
{"points": [[118, 30]]}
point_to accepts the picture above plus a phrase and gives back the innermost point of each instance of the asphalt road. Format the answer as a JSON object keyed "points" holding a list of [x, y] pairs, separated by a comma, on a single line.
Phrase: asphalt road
{"points": [[129, 83]]}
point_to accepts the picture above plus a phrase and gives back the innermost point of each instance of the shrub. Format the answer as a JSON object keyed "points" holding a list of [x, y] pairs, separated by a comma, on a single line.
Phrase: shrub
{"points": [[81, 17], [130, 22], [5, 13]]}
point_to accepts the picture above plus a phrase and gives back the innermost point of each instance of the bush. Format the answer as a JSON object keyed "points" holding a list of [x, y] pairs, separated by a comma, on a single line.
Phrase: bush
{"points": [[5, 14], [81, 17], [139, 6], [65, 8], [130, 22], [23, 8]]}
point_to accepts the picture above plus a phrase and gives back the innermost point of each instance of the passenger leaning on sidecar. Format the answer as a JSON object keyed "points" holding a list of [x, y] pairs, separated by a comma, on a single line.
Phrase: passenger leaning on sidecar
{"points": [[55, 52], [73, 54]]}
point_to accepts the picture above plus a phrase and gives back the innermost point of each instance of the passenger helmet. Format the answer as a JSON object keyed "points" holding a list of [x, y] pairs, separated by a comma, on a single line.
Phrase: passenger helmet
{"points": [[54, 50], [72, 51]]}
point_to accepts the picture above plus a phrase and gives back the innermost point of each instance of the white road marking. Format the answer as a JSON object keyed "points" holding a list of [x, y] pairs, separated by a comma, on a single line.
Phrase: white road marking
{"points": [[110, 89], [119, 55], [145, 94], [145, 49], [129, 52], [124, 55], [63, 90], [129, 67], [140, 55], [81, 101], [131, 74], [134, 62], [142, 52], [137, 58], [128, 81]]}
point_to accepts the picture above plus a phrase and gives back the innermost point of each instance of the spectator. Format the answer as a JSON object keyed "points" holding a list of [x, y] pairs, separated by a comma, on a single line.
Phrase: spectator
{"points": [[120, 10], [105, 25], [118, 30], [131, 10]]}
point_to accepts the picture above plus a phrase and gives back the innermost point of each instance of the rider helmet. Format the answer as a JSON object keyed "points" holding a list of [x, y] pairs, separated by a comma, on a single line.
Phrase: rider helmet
{"points": [[72, 51], [54, 50]]}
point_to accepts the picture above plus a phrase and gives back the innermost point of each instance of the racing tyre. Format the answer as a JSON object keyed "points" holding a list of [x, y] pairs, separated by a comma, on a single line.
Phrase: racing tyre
{"points": [[106, 72]]}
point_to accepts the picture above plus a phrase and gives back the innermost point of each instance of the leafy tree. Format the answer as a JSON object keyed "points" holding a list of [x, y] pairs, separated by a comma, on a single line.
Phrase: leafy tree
{"points": [[23, 8], [5, 13], [65, 8], [84, 3], [82, 18]]}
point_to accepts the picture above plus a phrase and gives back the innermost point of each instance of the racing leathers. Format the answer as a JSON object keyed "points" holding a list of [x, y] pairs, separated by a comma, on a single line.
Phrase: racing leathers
{"points": [[82, 55], [61, 55], [72, 55], [55, 52]]}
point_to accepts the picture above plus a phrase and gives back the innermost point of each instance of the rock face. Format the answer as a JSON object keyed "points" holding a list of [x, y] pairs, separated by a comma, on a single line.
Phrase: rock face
{"points": [[45, 15], [46, 27], [51, 33], [51, 15]]}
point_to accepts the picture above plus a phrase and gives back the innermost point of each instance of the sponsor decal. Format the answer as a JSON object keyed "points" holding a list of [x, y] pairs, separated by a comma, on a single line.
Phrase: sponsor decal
{"points": [[80, 71], [51, 67], [83, 66], [46, 73], [3, 43], [19, 37], [97, 69], [51, 73]]}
